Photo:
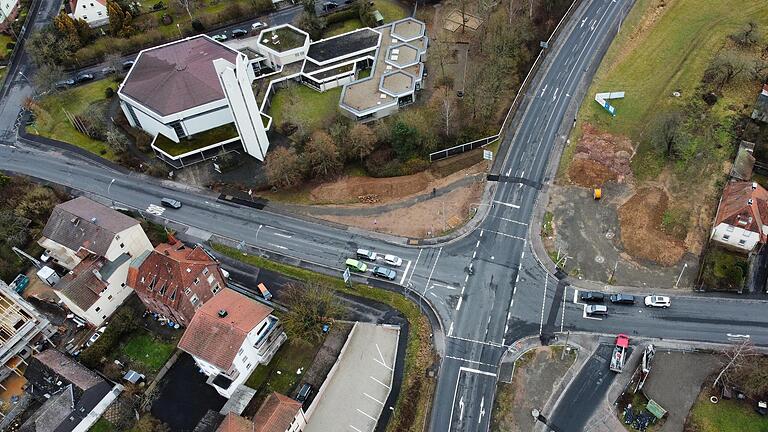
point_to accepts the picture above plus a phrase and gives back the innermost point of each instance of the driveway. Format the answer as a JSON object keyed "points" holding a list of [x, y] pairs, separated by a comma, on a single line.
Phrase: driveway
{"points": [[184, 396]]}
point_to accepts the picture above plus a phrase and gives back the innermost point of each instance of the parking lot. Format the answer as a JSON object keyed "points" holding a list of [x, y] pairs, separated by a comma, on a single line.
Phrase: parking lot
{"points": [[354, 396]]}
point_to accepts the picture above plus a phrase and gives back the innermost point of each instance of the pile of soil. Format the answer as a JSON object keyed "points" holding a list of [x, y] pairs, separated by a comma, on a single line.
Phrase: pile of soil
{"points": [[349, 187], [599, 158], [640, 223]]}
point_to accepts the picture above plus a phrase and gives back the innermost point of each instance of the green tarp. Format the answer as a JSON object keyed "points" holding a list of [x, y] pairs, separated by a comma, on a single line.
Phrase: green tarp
{"points": [[655, 409]]}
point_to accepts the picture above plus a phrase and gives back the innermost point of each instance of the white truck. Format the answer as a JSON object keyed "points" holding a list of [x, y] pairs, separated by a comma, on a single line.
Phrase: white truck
{"points": [[619, 356]]}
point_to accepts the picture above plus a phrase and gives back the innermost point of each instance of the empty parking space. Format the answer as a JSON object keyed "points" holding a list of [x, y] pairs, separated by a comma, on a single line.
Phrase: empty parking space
{"points": [[353, 397]]}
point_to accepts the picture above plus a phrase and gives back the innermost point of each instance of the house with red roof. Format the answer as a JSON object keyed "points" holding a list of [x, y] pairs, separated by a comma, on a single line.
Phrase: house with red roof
{"points": [[278, 413], [175, 281], [229, 336], [741, 223], [94, 12]]}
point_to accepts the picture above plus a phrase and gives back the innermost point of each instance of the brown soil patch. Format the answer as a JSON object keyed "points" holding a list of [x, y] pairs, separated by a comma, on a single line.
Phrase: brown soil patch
{"points": [[600, 157], [349, 188], [640, 222], [429, 218]]}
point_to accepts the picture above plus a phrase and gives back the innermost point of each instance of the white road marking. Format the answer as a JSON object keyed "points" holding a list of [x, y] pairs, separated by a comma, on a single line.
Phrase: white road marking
{"points": [[439, 251], [277, 246], [365, 414], [477, 371], [458, 305], [481, 232], [482, 410], [466, 277], [282, 235], [405, 272], [512, 221], [373, 378], [555, 95], [506, 204], [493, 344], [381, 356], [469, 361], [382, 364], [477, 244], [543, 303], [438, 285], [507, 235], [374, 399], [155, 210], [414, 266], [450, 329], [543, 90], [358, 430], [474, 254]]}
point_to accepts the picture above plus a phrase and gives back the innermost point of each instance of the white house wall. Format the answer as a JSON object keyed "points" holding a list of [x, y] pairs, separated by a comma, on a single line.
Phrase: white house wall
{"points": [[111, 298], [6, 7], [134, 241], [92, 12], [210, 120], [734, 236], [151, 125]]}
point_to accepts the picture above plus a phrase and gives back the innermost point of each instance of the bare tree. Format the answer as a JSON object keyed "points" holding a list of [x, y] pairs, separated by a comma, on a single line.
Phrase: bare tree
{"points": [[187, 5], [361, 141], [116, 140], [46, 77], [322, 155], [114, 61], [748, 36], [283, 167], [447, 111], [725, 67], [440, 52], [309, 307], [667, 132], [734, 360]]}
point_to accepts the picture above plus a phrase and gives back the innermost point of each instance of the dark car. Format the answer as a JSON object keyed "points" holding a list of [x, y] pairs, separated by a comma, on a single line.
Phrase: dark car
{"points": [[330, 6], [172, 203], [384, 272], [592, 296], [237, 33], [304, 393], [63, 84], [622, 299], [127, 65], [83, 77]]}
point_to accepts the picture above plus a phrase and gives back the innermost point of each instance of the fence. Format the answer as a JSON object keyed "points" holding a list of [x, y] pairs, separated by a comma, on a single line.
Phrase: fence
{"points": [[461, 148]]}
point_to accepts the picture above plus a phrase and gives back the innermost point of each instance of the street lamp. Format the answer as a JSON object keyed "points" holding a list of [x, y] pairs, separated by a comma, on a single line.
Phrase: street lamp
{"points": [[108, 187]]}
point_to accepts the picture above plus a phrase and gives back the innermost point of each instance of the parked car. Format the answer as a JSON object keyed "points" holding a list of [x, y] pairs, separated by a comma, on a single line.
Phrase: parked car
{"points": [[356, 265], [170, 203], [258, 25], [219, 37], [383, 272], [95, 336], [393, 260], [657, 301], [366, 254], [109, 70], [597, 310], [64, 84], [592, 296], [237, 33], [83, 77], [330, 6], [622, 299], [304, 393], [128, 64]]}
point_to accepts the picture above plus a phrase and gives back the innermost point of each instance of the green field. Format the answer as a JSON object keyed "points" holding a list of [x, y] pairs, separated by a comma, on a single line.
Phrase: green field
{"points": [[391, 10], [146, 352], [292, 356], [342, 27], [661, 50], [309, 106], [54, 123], [4, 41], [725, 416]]}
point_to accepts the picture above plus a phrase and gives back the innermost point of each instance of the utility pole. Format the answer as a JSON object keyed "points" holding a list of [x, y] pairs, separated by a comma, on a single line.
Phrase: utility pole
{"points": [[562, 354]]}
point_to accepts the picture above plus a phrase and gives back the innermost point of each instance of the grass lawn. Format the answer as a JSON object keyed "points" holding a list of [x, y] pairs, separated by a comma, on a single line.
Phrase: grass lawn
{"points": [[54, 124], [287, 39], [292, 356], [416, 392], [672, 56], [4, 51], [197, 141], [102, 425], [311, 107], [146, 352], [391, 10], [342, 27], [725, 416]]}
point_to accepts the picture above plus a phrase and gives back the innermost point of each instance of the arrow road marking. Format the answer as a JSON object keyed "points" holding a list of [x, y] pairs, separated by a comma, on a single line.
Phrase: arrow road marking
{"points": [[482, 410], [461, 408]]}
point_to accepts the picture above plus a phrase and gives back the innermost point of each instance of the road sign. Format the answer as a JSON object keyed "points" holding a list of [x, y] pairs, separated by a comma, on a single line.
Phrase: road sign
{"points": [[346, 275], [487, 155]]}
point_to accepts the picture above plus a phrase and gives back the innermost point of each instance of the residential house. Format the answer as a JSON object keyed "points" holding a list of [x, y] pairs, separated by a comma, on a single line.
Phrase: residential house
{"points": [[742, 217], [9, 10], [95, 288], [278, 413], [96, 244], [73, 397], [760, 112], [94, 12], [229, 337], [23, 331], [81, 227], [380, 69], [175, 281]]}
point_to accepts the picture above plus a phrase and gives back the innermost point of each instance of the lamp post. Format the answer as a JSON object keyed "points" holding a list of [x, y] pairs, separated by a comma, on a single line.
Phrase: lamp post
{"points": [[108, 195]]}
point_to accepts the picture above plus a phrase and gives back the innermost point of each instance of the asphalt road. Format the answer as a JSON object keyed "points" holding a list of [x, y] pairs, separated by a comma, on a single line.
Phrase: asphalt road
{"points": [[505, 296]]}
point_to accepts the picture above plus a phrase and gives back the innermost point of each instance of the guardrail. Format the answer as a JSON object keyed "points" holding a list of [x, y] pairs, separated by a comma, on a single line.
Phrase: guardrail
{"points": [[461, 148]]}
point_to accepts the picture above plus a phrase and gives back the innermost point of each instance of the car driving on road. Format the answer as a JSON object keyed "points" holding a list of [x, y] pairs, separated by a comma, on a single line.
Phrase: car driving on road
{"points": [[170, 203], [383, 272], [658, 301], [393, 260], [592, 296], [84, 77]]}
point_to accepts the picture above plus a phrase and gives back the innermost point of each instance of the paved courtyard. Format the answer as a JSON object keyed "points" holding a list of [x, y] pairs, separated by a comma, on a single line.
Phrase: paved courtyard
{"points": [[354, 397]]}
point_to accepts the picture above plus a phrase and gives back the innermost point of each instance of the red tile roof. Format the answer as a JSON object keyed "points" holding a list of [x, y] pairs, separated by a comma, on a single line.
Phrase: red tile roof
{"points": [[735, 208], [234, 423], [276, 413], [168, 271], [178, 76], [217, 339]]}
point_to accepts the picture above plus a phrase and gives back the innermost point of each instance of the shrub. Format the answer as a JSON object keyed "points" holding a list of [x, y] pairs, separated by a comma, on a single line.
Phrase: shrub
{"points": [[158, 6], [198, 26], [108, 92], [10, 45], [166, 19], [124, 321]]}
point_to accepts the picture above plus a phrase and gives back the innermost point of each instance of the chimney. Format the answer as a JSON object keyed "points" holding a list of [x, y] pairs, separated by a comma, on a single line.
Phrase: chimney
{"points": [[93, 220], [222, 313], [754, 185]]}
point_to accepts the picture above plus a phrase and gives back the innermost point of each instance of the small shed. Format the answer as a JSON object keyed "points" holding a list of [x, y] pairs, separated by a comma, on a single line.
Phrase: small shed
{"points": [[133, 377]]}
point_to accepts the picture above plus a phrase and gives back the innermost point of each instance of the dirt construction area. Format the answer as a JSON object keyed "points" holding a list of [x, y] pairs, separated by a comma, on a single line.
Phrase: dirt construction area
{"points": [[599, 158]]}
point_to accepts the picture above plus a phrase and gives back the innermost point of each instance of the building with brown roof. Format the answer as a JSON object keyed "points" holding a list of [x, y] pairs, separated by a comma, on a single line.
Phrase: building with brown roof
{"points": [[229, 336], [96, 244], [278, 413], [80, 227], [741, 222], [175, 281], [73, 397]]}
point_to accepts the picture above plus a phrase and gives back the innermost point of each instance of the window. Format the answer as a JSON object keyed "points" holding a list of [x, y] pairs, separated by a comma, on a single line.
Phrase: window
{"points": [[742, 242], [85, 17], [261, 329], [122, 285], [122, 245], [248, 366], [240, 352], [109, 297], [726, 236], [747, 233], [194, 300], [196, 281], [97, 309], [210, 280], [103, 317], [187, 291], [205, 271], [729, 228], [99, 13], [173, 295], [84, 6], [216, 288]]}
